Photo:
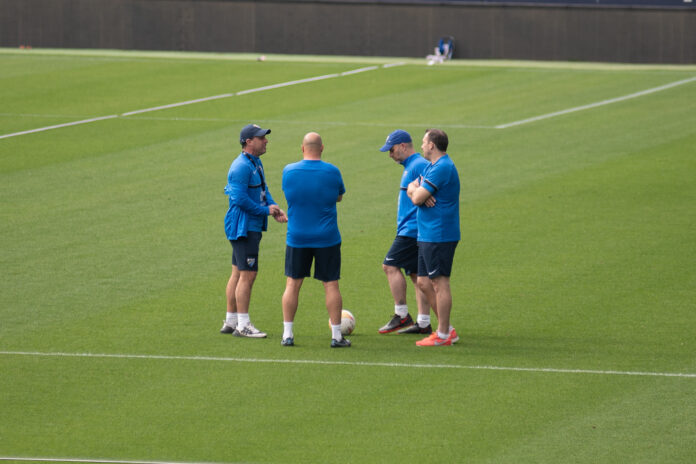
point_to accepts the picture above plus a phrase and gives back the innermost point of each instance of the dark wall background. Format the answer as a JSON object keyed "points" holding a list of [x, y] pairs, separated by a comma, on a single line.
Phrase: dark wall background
{"points": [[408, 28]]}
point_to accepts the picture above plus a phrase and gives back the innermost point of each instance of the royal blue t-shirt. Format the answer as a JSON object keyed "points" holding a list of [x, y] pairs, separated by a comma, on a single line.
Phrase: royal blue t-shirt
{"points": [[441, 222], [312, 188], [407, 212]]}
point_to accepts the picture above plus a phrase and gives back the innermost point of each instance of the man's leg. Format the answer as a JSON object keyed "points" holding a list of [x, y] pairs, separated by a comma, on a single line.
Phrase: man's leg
{"points": [[443, 295], [334, 301], [425, 299], [231, 289], [290, 298], [289, 302], [334, 305], [243, 290], [397, 283], [230, 323], [243, 296]]}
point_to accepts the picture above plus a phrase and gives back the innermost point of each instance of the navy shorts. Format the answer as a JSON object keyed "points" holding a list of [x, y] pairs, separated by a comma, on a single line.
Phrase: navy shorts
{"points": [[327, 262], [403, 254], [435, 259], [245, 251]]}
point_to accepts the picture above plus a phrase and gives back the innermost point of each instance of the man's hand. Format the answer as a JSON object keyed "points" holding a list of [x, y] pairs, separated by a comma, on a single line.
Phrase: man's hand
{"points": [[277, 213]]}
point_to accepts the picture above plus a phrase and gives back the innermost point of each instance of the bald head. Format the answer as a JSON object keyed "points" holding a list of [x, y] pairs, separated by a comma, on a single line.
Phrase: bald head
{"points": [[312, 146]]}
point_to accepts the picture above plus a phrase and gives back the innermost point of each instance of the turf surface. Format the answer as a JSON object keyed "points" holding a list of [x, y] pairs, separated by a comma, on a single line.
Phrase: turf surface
{"points": [[577, 256]]}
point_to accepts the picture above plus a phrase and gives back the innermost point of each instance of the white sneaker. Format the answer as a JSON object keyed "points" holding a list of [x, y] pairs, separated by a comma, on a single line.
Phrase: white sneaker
{"points": [[249, 331]]}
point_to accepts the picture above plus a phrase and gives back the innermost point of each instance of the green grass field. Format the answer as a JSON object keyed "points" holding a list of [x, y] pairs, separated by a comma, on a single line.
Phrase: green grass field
{"points": [[574, 284]]}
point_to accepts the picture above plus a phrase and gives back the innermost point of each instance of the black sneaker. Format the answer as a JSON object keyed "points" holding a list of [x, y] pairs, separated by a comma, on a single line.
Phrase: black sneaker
{"points": [[290, 341], [226, 329], [416, 329], [397, 322], [342, 343]]}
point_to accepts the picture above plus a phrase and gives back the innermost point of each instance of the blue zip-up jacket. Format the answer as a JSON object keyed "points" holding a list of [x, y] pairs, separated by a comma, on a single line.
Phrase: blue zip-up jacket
{"points": [[248, 194]]}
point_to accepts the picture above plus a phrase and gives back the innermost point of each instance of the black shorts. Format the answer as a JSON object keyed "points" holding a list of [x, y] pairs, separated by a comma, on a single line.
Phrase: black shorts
{"points": [[435, 259], [245, 251], [327, 262], [403, 254]]}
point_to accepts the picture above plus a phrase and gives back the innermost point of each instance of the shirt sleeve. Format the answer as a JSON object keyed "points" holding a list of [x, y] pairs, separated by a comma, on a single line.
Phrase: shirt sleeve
{"points": [[434, 179]]}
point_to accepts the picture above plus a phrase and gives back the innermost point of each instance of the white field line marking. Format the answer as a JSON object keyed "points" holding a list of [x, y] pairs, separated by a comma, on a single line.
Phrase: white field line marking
{"points": [[350, 363], [58, 126], [105, 461], [391, 65], [198, 100], [174, 105], [285, 84], [595, 105]]}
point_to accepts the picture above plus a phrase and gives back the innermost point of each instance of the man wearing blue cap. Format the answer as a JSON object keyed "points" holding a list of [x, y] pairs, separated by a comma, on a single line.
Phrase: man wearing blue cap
{"points": [[250, 204], [403, 253], [438, 230]]}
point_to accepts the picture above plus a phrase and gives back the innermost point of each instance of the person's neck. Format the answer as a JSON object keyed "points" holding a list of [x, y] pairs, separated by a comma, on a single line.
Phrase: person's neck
{"points": [[435, 157]]}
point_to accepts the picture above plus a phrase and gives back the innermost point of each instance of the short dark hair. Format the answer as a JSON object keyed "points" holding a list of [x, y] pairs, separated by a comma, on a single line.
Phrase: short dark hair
{"points": [[439, 138]]}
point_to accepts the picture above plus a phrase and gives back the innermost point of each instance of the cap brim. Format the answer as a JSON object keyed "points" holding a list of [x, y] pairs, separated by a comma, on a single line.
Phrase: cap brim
{"points": [[386, 147]]}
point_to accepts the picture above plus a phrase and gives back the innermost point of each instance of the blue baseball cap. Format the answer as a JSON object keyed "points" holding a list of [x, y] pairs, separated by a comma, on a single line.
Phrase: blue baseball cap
{"points": [[395, 138], [250, 131]]}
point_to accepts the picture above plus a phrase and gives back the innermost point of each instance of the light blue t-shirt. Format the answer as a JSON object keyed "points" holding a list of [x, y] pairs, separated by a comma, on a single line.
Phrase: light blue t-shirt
{"points": [[407, 212], [311, 189], [441, 222]]}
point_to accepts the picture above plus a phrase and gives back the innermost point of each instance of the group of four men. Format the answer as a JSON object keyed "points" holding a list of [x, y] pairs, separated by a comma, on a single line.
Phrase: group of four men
{"points": [[427, 233]]}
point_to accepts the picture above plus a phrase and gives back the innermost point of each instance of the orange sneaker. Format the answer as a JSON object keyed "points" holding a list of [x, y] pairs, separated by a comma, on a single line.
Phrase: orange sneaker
{"points": [[434, 341], [453, 336]]}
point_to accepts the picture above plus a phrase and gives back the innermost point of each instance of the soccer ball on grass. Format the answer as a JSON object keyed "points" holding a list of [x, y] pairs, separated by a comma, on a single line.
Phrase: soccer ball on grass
{"points": [[347, 322]]}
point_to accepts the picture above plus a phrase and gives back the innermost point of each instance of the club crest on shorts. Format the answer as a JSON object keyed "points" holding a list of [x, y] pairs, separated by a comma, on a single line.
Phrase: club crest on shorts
{"points": [[251, 262]]}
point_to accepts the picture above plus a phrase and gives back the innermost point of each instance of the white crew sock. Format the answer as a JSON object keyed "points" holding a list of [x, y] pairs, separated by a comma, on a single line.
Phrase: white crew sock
{"points": [[231, 319], [336, 332], [401, 310], [287, 330], [442, 336], [242, 320], [423, 320]]}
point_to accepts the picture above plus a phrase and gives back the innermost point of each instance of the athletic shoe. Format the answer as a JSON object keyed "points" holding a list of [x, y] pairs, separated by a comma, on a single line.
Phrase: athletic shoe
{"points": [[397, 322], [290, 341], [434, 341], [342, 343], [249, 331], [453, 336], [226, 329], [416, 329]]}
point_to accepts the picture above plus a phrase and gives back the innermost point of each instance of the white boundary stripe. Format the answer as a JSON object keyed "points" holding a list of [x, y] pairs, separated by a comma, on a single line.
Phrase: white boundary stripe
{"points": [[58, 126], [595, 105], [350, 363], [285, 84], [198, 100], [105, 461], [174, 105]]}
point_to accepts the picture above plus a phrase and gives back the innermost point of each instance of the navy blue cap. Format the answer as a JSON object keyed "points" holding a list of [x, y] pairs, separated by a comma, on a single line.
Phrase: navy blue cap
{"points": [[395, 138], [250, 131]]}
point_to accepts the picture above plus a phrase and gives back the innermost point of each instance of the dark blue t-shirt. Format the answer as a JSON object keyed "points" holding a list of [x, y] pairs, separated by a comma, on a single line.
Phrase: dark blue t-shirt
{"points": [[311, 189]]}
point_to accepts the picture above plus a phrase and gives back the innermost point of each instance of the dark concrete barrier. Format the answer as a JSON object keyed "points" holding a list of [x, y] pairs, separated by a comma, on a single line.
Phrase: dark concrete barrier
{"points": [[390, 28]]}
